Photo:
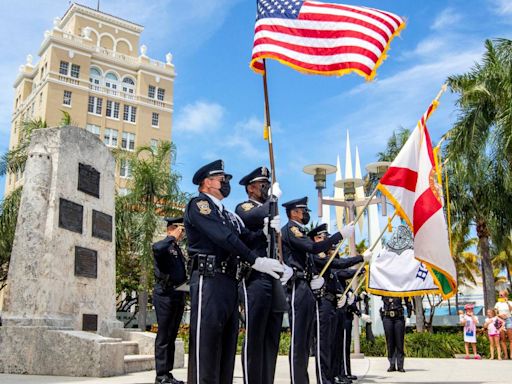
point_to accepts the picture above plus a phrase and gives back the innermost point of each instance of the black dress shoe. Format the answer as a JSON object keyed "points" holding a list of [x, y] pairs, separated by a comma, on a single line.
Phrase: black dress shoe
{"points": [[391, 369], [165, 379], [174, 380], [352, 377], [342, 380], [401, 370]]}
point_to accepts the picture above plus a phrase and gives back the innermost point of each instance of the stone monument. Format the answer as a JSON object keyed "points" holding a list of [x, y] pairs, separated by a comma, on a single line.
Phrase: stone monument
{"points": [[59, 308]]}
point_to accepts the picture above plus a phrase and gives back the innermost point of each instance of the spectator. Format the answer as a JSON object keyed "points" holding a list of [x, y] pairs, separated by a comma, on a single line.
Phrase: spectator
{"points": [[469, 321], [494, 325], [504, 308]]}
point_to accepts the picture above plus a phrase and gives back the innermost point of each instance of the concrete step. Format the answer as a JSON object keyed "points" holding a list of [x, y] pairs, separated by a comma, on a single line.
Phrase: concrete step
{"points": [[130, 347], [138, 363]]}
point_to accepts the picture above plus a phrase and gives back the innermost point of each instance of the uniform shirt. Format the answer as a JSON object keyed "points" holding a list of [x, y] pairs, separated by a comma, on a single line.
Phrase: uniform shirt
{"points": [[169, 261], [338, 263], [396, 304], [297, 246], [212, 230], [253, 214]]}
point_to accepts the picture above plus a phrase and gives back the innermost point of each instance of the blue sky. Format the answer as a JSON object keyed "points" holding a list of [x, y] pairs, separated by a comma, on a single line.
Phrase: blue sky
{"points": [[218, 101]]}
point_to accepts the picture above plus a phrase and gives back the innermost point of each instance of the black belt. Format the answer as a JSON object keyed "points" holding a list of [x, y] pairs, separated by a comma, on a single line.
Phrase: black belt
{"points": [[330, 296], [397, 313], [302, 275], [208, 265]]}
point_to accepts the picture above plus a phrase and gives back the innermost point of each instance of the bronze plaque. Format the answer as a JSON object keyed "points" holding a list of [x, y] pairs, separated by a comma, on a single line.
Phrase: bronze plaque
{"points": [[86, 262], [101, 225], [88, 180], [71, 215], [89, 323]]}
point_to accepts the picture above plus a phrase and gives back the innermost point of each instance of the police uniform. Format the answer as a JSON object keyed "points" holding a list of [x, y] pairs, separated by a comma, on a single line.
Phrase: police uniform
{"points": [[169, 269], [326, 319], [393, 320], [262, 323], [214, 244], [297, 250]]}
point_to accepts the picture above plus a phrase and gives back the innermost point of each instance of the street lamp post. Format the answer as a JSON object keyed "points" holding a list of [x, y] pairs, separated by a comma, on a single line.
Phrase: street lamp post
{"points": [[319, 172]]}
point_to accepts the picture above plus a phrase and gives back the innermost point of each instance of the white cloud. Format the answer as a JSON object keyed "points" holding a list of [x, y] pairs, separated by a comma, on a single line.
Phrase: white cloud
{"points": [[502, 7], [242, 138], [200, 117], [446, 19]]}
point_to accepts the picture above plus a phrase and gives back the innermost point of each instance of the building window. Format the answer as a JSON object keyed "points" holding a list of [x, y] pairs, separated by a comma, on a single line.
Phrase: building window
{"points": [[128, 87], [67, 98], [95, 104], [75, 71], [40, 99], [110, 137], [154, 119], [128, 141], [93, 129], [95, 78], [154, 144], [151, 92], [124, 169], [64, 67], [113, 109], [130, 113], [160, 94], [111, 82]]}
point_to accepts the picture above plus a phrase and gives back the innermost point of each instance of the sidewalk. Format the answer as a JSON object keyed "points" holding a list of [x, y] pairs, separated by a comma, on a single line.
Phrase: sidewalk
{"points": [[369, 370]]}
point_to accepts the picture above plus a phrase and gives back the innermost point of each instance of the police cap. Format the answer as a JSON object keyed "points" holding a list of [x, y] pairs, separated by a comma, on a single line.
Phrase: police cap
{"points": [[212, 169], [297, 203], [259, 174], [320, 230], [174, 220]]}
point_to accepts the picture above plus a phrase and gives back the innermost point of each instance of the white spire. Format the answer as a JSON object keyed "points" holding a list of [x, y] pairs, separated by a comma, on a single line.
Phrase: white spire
{"points": [[338, 195], [348, 159], [359, 190]]}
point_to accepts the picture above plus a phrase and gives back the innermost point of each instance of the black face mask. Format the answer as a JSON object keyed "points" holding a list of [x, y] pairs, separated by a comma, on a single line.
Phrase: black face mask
{"points": [[305, 217], [265, 188], [225, 188]]}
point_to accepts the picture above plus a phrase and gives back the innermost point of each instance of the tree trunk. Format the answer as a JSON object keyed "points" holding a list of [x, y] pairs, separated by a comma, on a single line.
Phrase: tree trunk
{"points": [[143, 303], [450, 308], [457, 303], [420, 314], [487, 271]]}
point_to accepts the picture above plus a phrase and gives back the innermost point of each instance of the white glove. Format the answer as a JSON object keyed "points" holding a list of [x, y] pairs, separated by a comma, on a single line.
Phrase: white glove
{"points": [[287, 274], [276, 190], [269, 266], [347, 230], [317, 283], [275, 224], [367, 256], [351, 298], [342, 300], [366, 318], [362, 295]]}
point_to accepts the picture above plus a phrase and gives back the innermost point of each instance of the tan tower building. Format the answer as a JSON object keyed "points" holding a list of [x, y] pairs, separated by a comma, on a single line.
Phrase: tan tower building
{"points": [[91, 66]]}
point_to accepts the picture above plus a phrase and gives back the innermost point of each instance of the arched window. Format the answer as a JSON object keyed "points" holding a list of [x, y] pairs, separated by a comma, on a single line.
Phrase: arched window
{"points": [[128, 87], [111, 81], [95, 78]]}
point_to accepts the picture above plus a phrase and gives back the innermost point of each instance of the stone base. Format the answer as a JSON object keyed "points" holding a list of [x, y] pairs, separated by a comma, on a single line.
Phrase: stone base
{"points": [[46, 351]]}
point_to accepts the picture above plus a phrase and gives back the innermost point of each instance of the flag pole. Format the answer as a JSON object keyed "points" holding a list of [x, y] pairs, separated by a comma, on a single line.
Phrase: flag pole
{"points": [[371, 249], [331, 258]]}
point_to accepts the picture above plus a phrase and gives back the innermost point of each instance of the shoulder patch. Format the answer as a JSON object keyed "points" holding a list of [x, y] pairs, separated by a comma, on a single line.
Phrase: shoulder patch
{"points": [[296, 232], [247, 206], [204, 207]]}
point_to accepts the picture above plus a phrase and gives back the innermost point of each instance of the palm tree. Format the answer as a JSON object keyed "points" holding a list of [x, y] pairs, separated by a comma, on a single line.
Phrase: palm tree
{"points": [[8, 217], [154, 193]]}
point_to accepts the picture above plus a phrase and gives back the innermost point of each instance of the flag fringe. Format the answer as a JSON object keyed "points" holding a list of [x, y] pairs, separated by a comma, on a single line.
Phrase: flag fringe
{"points": [[398, 208]]}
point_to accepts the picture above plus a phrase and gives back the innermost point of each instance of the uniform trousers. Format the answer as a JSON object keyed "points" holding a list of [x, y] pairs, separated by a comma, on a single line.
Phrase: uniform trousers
{"points": [[262, 329], [394, 329], [213, 329], [169, 306], [325, 346], [343, 340], [302, 319]]}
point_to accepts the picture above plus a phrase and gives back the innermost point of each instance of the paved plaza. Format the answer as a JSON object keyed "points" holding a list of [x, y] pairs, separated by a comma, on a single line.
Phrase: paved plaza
{"points": [[369, 370]]}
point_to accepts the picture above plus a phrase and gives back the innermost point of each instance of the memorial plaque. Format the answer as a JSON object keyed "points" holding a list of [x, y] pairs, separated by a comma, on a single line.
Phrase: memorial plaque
{"points": [[86, 262], [88, 180], [89, 322], [101, 225], [71, 215]]}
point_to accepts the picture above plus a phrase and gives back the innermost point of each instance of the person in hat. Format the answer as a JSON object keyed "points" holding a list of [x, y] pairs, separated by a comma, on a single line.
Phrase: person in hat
{"points": [[216, 241], [262, 320], [297, 250], [326, 319], [469, 321], [169, 303]]}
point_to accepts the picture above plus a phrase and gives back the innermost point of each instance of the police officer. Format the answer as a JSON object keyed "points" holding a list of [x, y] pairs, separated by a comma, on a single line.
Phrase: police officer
{"points": [[216, 240], [169, 304], [297, 250], [262, 323], [326, 319], [393, 320]]}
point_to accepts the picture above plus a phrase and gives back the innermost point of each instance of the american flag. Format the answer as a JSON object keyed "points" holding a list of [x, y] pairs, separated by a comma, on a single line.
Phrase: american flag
{"points": [[322, 38]]}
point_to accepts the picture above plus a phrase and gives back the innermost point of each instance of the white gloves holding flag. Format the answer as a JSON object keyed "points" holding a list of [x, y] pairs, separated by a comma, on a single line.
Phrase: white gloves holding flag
{"points": [[351, 298], [269, 266], [317, 282], [366, 318], [287, 274], [275, 224], [276, 190], [347, 230], [367, 256], [342, 300]]}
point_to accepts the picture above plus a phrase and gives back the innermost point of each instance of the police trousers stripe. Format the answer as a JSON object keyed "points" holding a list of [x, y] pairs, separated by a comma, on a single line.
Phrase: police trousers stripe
{"points": [[198, 330], [293, 334], [245, 367], [345, 350], [318, 356]]}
